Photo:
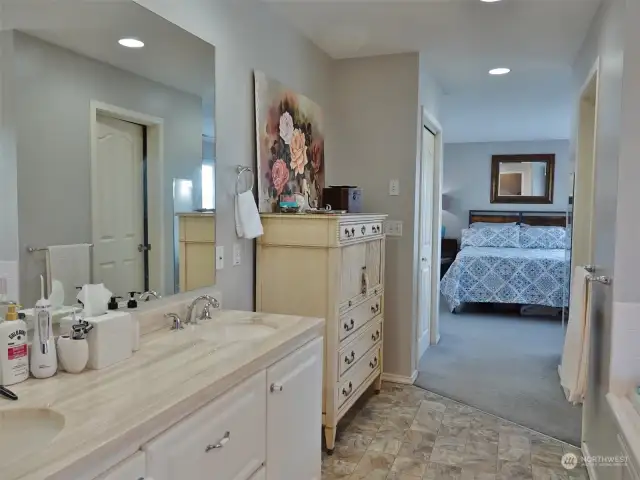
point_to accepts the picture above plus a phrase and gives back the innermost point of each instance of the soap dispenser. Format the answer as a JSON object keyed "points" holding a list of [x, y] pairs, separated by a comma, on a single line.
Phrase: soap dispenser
{"points": [[132, 303], [113, 303], [44, 360], [14, 359]]}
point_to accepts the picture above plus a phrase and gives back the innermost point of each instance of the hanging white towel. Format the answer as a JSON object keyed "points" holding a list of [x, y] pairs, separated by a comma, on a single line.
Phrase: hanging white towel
{"points": [[575, 355], [71, 266], [248, 224]]}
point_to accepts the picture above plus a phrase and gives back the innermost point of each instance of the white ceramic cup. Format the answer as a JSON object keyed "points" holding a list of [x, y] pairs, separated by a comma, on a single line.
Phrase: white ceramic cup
{"points": [[73, 354]]}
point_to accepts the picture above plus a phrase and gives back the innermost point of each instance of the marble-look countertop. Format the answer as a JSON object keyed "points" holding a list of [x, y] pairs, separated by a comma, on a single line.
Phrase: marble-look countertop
{"points": [[110, 413]]}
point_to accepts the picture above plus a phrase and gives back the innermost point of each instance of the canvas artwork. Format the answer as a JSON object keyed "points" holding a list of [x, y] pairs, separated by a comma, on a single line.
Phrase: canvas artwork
{"points": [[290, 144]]}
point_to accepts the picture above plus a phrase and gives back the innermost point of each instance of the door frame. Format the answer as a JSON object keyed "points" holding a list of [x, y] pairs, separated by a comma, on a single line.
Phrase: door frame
{"points": [[154, 127], [429, 121]]}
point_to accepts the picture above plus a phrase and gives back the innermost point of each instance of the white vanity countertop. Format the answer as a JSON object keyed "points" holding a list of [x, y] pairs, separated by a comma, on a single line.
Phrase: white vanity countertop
{"points": [[628, 417], [112, 412]]}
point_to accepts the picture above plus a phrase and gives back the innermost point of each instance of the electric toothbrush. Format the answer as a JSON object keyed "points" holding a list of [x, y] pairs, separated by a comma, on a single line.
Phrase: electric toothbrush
{"points": [[44, 360]]}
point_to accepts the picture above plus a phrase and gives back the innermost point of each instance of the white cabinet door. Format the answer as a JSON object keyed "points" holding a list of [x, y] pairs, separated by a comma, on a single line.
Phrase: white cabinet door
{"points": [[132, 468], [294, 415], [224, 440]]}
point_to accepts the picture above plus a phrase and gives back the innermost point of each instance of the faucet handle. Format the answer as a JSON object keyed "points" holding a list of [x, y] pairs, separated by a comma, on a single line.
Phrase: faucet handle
{"points": [[206, 313], [177, 323]]}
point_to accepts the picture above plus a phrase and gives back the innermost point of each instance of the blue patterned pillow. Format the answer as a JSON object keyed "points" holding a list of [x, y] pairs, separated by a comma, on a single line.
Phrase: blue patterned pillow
{"points": [[543, 237], [498, 236]]}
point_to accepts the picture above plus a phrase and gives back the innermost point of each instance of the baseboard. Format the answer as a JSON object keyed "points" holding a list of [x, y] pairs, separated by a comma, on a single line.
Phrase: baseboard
{"points": [[593, 475], [393, 378]]}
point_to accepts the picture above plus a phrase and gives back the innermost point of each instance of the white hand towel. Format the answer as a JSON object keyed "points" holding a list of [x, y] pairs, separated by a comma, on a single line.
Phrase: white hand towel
{"points": [[575, 355], [70, 265], [248, 224]]}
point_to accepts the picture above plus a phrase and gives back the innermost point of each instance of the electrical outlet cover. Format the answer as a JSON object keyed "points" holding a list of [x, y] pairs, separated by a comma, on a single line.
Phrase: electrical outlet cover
{"points": [[394, 187], [237, 254], [393, 228]]}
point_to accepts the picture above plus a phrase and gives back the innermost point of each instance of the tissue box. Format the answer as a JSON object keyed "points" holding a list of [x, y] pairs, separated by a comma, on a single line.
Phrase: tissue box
{"points": [[111, 339]]}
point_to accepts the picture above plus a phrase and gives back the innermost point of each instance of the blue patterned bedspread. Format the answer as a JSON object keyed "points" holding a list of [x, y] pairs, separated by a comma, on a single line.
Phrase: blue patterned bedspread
{"points": [[506, 275]]}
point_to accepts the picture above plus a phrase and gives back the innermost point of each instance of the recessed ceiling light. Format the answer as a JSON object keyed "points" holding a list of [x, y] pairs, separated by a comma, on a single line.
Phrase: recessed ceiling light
{"points": [[499, 71], [131, 42], [489, 1]]}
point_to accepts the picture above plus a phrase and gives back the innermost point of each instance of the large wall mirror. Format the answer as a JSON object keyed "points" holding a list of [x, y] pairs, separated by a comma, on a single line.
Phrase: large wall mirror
{"points": [[522, 178], [112, 113]]}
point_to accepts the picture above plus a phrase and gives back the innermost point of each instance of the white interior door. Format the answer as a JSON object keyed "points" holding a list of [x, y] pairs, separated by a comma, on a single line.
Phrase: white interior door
{"points": [[117, 205], [426, 225]]}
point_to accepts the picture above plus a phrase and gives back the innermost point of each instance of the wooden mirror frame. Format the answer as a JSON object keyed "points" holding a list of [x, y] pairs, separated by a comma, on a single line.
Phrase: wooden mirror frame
{"points": [[547, 198]]}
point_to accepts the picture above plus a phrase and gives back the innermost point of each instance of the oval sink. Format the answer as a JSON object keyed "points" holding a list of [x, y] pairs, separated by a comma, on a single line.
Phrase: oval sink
{"points": [[237, 333], [27, 431]]}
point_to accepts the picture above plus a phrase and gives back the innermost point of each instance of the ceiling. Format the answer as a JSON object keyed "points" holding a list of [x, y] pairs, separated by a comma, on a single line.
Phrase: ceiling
{"points": [[461, 40]]}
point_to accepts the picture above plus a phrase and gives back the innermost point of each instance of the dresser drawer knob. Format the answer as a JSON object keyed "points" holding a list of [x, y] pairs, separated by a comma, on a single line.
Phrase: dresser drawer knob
{"points": [[349, 326], [346, 392], [374, 363], [363, 229], [276, 387], [353, 232], [375, 308], [346, 232], [350, 359], [221, 443], [350, 303], [375, 336]]}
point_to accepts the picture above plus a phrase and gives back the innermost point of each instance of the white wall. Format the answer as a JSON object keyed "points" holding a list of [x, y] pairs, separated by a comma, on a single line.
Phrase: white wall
{"points": [[467, 178], [375, 108], [247, 36], [54, 88]]}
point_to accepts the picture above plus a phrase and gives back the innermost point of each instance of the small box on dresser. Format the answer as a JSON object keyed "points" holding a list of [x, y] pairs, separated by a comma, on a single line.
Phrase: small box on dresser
{"points": [[329, 266]]}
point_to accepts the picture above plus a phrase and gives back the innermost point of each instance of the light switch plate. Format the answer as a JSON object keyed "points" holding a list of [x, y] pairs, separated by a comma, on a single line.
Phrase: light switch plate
{"points": [[394, 187], [237, 254], [219, 257], [393, 228]]}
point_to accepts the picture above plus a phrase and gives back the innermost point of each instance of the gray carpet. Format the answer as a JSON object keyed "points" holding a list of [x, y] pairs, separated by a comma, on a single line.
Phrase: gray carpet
{"points": [[503, 364]]}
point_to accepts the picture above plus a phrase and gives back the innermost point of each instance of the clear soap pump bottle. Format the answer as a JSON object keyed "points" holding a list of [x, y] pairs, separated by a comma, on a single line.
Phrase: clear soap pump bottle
{"points": [[44, 361]]}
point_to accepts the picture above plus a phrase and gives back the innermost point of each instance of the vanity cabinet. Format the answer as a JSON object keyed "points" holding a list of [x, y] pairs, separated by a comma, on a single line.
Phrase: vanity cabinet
{"points": [[265, 428], [329, 266], [133, 468], [294, 391]]}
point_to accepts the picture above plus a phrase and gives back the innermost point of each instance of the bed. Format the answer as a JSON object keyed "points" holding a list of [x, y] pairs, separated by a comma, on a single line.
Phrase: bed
{"points": [[510, 258]]}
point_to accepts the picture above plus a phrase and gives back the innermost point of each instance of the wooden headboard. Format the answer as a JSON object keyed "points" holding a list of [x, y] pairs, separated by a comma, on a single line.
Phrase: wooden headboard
{"points": [[536, 219]]}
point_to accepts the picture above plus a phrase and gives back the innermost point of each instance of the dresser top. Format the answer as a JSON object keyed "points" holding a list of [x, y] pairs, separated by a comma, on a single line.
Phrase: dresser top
{"points": [[324, 215]]}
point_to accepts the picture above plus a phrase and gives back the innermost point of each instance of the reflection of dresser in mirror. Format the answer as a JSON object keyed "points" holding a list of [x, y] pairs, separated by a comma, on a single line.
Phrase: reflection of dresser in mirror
{"points": [[197, 260], [329, 266]]}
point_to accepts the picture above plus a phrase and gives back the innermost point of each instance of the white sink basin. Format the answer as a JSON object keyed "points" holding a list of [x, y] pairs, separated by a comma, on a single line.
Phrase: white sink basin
{"points": [[27, 431]]}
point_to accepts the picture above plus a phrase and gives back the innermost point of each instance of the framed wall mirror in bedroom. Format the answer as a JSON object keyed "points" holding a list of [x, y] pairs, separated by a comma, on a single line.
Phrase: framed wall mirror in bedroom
{"points": [[522, 178], [111, 111]]}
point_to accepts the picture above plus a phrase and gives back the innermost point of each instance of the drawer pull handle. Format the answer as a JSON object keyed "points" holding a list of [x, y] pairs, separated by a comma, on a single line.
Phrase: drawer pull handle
{"points": [[223, 441], [374, 363], [350, 302], [276, 387], [349, 326], [363, 229], [376, 336], [375, 308], [346, 392], [353, 232], [375, 292], [347, 233], [348, 360]]}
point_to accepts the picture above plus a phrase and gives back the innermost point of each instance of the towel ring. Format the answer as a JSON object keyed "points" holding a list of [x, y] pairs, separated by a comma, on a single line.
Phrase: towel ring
{"points": [[240, 169]]}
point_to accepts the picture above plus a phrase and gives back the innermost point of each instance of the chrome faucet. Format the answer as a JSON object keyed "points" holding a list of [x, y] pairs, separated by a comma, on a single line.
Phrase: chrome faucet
{"points": [[206, 313], [146, 296]]}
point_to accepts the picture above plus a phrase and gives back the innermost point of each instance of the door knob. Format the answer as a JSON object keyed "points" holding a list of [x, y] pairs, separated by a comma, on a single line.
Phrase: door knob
{"points": [[424, 259]]}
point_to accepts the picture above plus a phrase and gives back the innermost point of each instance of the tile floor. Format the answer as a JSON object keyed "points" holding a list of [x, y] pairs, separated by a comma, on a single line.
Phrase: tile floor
{"points": [[406, 433]]}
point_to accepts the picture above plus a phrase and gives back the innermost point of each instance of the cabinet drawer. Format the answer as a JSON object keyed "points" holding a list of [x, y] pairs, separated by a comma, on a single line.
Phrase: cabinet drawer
{"points": [[358, 374], [351, 321], [198, 229], [351, 353], [226, 437], [133, 468], [353, 231]]}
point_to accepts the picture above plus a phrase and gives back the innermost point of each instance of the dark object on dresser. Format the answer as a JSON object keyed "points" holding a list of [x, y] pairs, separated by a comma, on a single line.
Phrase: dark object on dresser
{"points": [[343, 197], [448, 252]]}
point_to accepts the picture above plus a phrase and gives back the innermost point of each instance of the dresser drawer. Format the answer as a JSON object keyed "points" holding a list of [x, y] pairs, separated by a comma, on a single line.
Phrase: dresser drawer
{"points": [[354, 351], [356, 376], [354, 231], [227, 437], [355, 318]]}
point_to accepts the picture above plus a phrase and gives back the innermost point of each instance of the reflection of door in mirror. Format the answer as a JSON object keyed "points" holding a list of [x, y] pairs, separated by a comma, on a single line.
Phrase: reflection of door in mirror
{"points": [[510, 183], [118, 221]]}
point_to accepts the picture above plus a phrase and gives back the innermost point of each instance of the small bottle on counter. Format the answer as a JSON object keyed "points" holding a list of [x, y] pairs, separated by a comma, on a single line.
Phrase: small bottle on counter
{"points": [[14, 358]]}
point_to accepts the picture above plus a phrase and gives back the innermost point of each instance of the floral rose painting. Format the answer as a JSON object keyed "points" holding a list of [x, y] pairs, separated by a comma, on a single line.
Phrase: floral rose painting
{"points": [[290, 144]]}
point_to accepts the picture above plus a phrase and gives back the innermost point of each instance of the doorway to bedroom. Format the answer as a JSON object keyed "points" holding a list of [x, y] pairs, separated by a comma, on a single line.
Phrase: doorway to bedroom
{"points": [[504, 283]]}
